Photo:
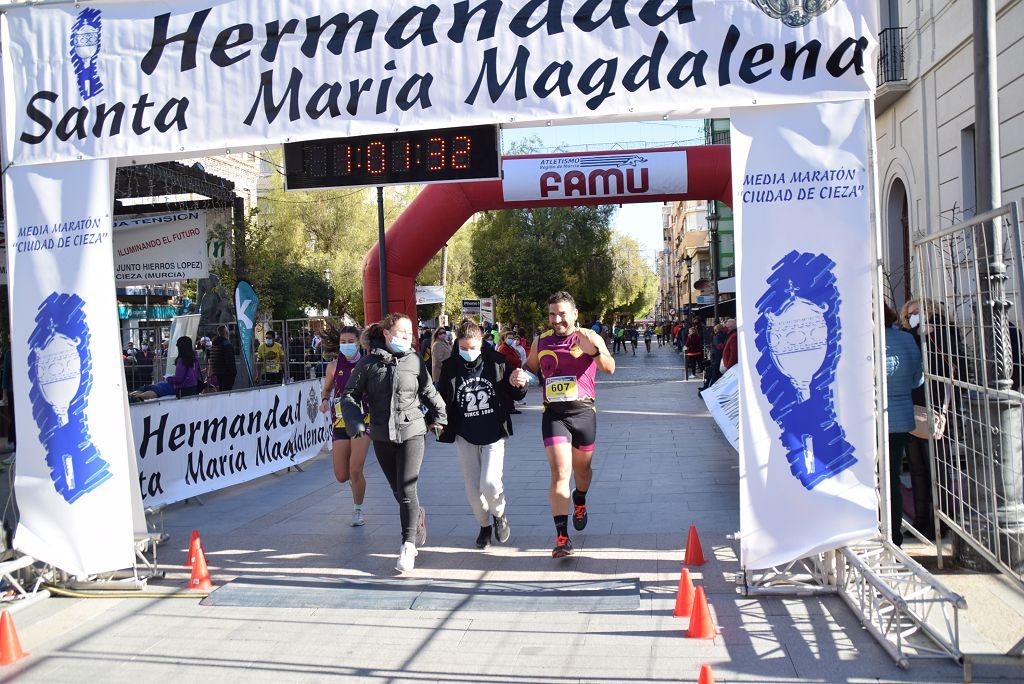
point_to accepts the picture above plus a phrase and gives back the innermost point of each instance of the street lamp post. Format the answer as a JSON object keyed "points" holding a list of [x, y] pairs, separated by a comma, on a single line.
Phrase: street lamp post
{"points": [[713, 235], [689, 290], [330, 288]]}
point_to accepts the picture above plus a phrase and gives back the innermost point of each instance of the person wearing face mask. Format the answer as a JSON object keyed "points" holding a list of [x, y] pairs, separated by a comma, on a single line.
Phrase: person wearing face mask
{"points": [[440, 350], [348, 454], [477, 390], [926, 321], [507, 348], [403, 405], [270, 358]]}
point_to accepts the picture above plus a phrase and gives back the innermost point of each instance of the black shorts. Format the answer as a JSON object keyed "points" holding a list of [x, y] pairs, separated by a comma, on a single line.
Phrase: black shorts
{"points": [[578, 428], [339, 433]]}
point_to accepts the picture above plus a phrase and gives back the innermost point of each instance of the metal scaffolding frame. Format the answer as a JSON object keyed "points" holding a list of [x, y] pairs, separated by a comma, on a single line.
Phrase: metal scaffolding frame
{"points": [[909, 612]]}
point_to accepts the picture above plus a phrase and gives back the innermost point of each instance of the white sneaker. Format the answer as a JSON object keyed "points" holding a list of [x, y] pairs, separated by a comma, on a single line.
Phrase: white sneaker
{"points": [[406, 557], [357, 518]]}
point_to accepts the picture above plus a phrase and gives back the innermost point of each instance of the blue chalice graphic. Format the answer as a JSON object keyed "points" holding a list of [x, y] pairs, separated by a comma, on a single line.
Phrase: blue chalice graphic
{"points": [[85, 50], [60, 369], [797, 334]]}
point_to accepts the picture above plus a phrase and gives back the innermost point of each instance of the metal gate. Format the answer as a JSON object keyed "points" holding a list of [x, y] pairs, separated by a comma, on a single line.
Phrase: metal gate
{"points": [[970, 285]]}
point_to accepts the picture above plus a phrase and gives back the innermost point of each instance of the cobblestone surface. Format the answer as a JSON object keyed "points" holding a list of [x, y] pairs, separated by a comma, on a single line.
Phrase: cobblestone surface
{"points": [[660, 466]]}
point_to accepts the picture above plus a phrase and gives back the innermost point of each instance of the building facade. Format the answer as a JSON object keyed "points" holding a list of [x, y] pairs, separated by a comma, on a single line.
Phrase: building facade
{"points": [[924, 116]]}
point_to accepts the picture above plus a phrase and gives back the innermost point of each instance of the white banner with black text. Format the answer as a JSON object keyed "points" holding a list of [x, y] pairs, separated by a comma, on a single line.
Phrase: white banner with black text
{"points": [[655, 172], [806, 341], [119, 79], [72, 478], [161, 248], [187, 447]]}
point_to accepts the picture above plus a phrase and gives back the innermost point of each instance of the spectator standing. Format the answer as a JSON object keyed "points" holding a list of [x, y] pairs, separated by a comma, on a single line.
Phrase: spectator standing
{"points": [[730, 350], [440, 350], [694, 350], [714, 370], [270, 360], [903, 372], [222, 361]]}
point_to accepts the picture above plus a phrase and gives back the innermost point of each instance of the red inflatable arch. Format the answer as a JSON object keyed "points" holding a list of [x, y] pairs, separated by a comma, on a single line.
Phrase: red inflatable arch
{"points": [[440, 210]]}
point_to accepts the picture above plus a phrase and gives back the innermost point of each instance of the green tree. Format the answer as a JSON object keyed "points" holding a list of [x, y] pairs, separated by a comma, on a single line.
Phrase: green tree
{"points": [[297, 238], [635, 285], [521, 256]]}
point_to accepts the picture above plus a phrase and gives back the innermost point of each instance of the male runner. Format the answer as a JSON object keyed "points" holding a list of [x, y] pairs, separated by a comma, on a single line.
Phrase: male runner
{"points": [[566, 358]]}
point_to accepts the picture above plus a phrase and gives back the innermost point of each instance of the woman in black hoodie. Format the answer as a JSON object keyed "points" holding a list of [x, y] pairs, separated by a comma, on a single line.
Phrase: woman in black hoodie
{"points": [[477, 393], [397, 388]]}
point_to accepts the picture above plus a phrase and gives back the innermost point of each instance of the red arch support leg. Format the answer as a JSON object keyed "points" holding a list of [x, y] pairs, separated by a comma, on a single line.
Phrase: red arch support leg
{"points": [[440, 210]]}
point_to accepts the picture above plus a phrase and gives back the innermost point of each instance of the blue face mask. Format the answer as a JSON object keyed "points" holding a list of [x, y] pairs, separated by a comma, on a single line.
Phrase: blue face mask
{"points": [[400, 346], [470, 355], [349, 349]]}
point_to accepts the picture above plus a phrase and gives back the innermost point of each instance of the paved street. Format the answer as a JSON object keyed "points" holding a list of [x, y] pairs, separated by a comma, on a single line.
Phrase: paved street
{"points": [[660, 466]]}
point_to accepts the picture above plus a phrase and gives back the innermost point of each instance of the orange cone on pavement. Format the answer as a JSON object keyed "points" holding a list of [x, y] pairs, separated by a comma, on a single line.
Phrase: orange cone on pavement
{"points": [[200, 579], [694, 554], [706, 675], [194, 544], [701, 626], [10, 647], [684, 595]]}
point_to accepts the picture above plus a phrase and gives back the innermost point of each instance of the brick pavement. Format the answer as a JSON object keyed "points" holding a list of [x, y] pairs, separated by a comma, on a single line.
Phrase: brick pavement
{"points": [[660, 466]]}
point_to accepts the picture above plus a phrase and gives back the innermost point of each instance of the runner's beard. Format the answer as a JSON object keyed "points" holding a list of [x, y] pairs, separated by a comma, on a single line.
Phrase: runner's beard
{"points": [[563, 329]]}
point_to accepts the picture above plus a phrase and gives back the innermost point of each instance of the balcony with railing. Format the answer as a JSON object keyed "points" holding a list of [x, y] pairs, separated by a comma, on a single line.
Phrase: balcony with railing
{"points": [[892, 80]]}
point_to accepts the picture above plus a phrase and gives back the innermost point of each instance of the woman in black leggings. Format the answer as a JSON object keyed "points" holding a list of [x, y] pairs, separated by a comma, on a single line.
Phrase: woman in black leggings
{"points": [[397, 387]]}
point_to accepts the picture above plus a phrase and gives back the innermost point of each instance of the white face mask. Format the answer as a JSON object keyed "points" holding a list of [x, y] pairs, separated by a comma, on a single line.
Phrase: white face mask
{"points": [[914, 320]]}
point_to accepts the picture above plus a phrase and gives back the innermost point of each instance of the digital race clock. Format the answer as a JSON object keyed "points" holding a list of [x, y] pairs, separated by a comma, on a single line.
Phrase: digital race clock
{"points": [[445, 155]]}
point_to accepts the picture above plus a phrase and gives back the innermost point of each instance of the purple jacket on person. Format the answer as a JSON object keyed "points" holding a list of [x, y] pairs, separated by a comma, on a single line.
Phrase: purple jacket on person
{"points": [[184, 377]]}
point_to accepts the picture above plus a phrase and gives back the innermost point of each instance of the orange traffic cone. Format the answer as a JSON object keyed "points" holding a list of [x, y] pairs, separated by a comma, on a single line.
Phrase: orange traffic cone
{"points": [[701, 626], [10, 647], [200, 574], [694, 554], [706, 675], [194, 544], [684, 596]]}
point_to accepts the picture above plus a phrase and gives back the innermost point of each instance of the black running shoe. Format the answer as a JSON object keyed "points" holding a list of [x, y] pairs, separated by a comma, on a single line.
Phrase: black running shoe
{"points": [[483, 540], [421, 529], [501, 529], [563, 547], [579, 514]]}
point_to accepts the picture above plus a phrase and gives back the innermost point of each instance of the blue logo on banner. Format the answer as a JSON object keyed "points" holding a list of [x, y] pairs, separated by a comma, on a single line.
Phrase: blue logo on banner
{"points": [[85, 50], [60, 370], [797, 334]]}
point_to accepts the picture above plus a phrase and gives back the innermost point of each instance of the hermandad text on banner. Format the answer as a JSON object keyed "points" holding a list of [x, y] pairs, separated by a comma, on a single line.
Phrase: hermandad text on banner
{"points": [[139, 80], [198, 445]]}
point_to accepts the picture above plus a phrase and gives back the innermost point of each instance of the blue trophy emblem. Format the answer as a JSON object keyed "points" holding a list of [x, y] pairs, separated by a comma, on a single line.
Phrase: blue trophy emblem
{"points": [[798, 335], [60, 370], [85, 50]]}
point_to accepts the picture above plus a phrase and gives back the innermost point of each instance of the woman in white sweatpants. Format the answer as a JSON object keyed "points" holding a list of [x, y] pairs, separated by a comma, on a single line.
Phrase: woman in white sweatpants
{"points": [[475, 386]]}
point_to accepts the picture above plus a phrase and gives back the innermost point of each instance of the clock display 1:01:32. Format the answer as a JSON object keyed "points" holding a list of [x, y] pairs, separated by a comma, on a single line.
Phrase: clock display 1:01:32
{"points": [[436, 156], [438, 153]]}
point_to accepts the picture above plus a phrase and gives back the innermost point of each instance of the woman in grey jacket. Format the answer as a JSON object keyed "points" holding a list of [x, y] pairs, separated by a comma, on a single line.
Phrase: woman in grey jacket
{"points": [[397, 387]]}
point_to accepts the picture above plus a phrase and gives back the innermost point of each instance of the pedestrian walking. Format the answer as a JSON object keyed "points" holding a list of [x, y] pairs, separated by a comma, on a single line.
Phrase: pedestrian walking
{"points": [[403, 406], [477, 391]]}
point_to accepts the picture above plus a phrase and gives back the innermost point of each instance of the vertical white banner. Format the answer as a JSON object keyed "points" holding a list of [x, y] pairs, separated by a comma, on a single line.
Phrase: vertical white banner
{"points": [[804, 274], [73, 472]]}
